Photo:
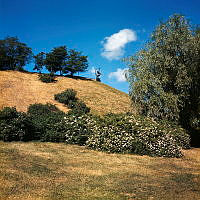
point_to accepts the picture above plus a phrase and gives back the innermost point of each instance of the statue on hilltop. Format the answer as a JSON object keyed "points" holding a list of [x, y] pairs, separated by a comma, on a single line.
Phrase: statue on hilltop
{"points": [[98, 74]]}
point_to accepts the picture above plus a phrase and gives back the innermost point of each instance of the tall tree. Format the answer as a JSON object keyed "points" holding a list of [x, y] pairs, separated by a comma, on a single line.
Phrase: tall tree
{"points": [[164, 76], [75, 62], [14, 55], [39, 61], [56, 59]]}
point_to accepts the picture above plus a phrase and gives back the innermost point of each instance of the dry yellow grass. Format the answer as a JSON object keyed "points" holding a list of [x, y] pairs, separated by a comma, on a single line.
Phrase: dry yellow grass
{"points": [[50, 171], [22, 89]]}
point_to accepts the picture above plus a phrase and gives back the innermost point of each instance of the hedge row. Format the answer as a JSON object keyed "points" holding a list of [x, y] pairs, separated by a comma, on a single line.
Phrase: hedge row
{"points": [[116, 133]]}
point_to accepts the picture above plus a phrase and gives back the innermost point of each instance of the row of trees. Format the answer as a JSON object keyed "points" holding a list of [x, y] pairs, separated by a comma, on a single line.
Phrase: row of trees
{"points": [[164, 77], [14, 55]]}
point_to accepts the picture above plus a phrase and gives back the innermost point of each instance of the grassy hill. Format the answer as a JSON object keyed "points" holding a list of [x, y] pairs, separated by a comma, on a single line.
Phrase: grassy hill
{"points": [[55, 171], [22, 89], [50, 171]]}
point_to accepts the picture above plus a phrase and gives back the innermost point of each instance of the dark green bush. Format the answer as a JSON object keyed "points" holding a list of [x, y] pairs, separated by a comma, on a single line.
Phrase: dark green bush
{"points": [[40, 109], [78, 107], [47, 78], [43, 118], [15, 126], [66, 96]]}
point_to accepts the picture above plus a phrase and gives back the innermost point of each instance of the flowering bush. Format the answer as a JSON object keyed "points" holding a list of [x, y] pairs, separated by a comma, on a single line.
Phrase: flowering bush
{"points": [[127, 133], [117, 133]]}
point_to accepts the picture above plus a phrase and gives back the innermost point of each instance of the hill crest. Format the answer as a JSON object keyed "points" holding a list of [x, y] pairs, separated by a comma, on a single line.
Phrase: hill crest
{"points": [[20, 89]]}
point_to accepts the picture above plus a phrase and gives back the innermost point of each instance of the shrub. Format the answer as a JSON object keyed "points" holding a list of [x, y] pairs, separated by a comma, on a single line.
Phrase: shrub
{"points": [[43, 118], [127, 133], [78, 107], [52, 125], [15, 126], [66, 97], [40, 109], [78, 128], [47, 78]]}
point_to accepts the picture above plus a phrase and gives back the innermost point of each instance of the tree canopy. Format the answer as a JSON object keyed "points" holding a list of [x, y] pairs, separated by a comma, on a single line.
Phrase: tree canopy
{"points": [[14, 55], [75, 63], [39, 61], [56, 59], [164, 76], [63, 60]]}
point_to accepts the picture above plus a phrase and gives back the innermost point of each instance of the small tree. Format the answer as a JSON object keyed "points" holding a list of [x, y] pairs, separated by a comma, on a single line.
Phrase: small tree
{"points": [[39, 61], [75, 62], [14, 55], [164, 76], [56, 59]]}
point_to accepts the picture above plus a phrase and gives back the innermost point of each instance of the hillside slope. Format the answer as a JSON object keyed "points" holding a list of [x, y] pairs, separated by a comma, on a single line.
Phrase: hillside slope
{"points": [[22, 89]]}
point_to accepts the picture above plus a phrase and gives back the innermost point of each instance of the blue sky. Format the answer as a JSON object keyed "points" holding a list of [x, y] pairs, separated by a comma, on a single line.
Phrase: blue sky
{"points": [[104, 30]]}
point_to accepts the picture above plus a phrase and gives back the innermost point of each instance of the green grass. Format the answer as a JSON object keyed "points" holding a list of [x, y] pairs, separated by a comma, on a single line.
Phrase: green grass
{"points": [[41, 171]]}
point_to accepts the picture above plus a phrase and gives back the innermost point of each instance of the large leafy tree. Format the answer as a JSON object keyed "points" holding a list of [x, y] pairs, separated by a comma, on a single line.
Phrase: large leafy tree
{"points": [[164, 77], [76, 62], [56, 59], [39, 61], [14, 55]]}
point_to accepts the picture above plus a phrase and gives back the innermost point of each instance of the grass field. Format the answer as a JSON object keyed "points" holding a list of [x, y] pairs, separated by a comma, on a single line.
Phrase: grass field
{"points": [[22, 89], [52, 171]]}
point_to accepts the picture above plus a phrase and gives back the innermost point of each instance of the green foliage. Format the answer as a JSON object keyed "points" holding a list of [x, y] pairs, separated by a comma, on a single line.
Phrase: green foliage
{"points": [[77, 129], [134, 134], [43, 118], [164, 76], [15, 126], [78, 107], [117, 133], [40, 109], [47, 78], [55, 60], [66, 96], [52, 125], [14, 55], [75, 62], [39, 61]]}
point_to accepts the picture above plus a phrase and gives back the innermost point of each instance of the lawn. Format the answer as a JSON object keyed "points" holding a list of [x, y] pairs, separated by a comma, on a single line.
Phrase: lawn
{"points": [[41, 171]]}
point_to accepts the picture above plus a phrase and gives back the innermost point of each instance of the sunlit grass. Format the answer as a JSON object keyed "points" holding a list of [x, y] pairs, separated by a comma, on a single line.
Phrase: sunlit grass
{"points": [[22, 89], [59, 171]]}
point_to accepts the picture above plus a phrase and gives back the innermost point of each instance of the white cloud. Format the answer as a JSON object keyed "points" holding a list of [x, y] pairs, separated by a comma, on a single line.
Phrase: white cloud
{"points": [[113, 46], [119, 75], [92, 71]]}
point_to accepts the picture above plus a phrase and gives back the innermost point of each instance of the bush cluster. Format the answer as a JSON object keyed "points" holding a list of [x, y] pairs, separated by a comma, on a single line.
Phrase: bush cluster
{"points": [[47, 78], [68, 97], [116, 133], [127, 133], [15, 126]]}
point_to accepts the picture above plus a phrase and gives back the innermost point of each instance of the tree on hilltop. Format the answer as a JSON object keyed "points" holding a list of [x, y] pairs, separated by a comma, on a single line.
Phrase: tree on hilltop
{"points": [[56, 59], [14, 55], [75, 62], [39, 61]]}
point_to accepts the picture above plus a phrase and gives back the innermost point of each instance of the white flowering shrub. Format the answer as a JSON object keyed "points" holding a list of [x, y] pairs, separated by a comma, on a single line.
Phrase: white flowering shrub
{"points": [[77, 128], [127, 133], [116, 133]]}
